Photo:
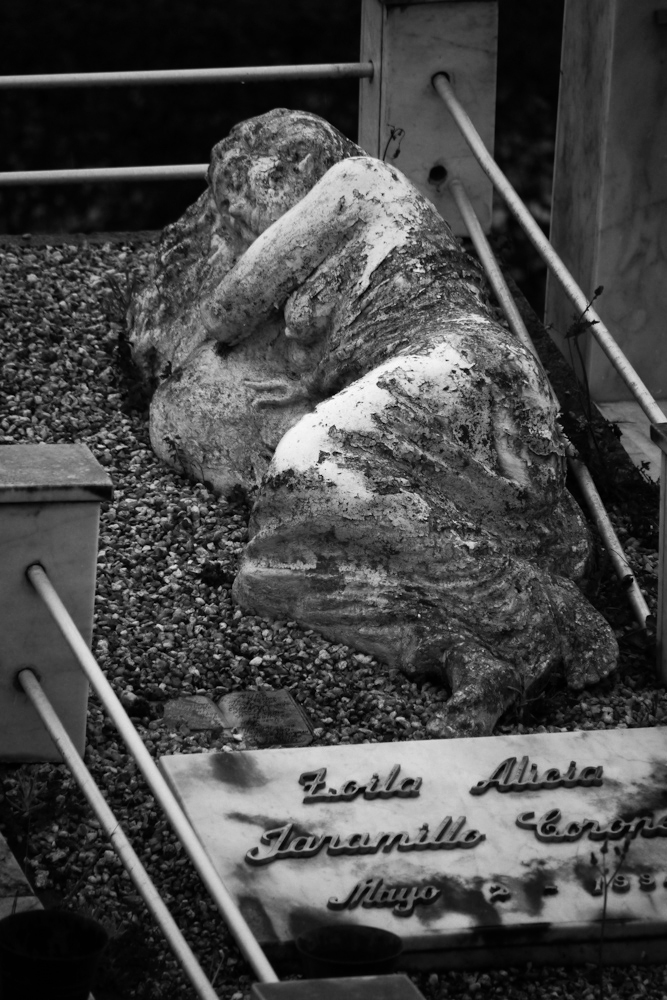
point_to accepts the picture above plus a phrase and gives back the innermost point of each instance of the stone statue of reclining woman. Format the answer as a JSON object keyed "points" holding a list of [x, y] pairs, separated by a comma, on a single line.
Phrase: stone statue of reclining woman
{"points": [[415, 504]]}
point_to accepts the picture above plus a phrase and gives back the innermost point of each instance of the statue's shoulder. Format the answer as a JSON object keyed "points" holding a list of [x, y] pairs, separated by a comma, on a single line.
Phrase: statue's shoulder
{"points": [[368, 178], [365, 166]]}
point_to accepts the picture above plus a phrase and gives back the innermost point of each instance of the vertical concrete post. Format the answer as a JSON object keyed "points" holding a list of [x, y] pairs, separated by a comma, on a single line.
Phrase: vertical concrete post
{"points": [[659, 437], [402, 119], [50, 499], [661, 626], [609, 215]]}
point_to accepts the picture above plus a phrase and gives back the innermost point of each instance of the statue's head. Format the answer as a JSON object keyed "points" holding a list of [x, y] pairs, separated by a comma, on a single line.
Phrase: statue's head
{"points": [[267, 164]]}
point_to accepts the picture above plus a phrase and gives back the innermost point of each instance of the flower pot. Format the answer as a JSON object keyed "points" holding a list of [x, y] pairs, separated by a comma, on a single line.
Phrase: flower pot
{"points": [[348, 950], [49, 953]]}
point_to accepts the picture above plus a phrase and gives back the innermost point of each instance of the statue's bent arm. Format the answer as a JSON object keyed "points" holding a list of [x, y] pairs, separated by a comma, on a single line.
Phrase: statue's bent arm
{"points": [[350, 196]]}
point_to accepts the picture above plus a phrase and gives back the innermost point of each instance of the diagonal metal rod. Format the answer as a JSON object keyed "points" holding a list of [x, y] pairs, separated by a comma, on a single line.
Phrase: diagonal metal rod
{"points": [[598, 329], [577, 467], [116, 835], [491, 266], [150, 77], [237, 923]]}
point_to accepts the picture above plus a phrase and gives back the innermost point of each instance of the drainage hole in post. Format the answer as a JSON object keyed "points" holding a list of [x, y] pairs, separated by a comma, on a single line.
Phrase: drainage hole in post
{"points": [[437, 174]]}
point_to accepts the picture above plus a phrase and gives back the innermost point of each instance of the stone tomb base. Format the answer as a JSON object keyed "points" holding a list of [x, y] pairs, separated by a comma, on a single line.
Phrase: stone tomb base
{"points": [[477, 852]]}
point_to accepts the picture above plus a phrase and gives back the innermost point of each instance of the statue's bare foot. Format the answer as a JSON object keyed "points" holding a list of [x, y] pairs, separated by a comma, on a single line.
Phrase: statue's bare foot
{"points": [[482, 686]]}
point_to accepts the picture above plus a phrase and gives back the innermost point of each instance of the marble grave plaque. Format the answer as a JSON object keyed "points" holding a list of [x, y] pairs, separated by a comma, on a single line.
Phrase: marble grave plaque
{"points": [[266, 718], [197, 712], [477, 852]]}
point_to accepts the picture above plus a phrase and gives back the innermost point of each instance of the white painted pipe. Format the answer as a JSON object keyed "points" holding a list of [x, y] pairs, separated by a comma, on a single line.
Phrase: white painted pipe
{"points": [[159, 787], [231, 74], [119, 841], [582, 475], [82, 175], [598, 330], [491, 266]]}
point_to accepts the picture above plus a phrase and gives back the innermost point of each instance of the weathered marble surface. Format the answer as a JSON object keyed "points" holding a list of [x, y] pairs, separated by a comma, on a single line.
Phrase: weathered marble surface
{"points": [[509, 897], [207, 415], [609, 215], [415, 507]]}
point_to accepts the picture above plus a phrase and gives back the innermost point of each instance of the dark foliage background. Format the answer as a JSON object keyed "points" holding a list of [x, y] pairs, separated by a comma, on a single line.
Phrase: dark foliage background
{"points": [[121, 126]]}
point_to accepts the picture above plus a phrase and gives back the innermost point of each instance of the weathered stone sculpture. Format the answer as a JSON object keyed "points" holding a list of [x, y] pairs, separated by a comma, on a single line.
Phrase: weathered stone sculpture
{"points": [[206, 415], [415, 507]]}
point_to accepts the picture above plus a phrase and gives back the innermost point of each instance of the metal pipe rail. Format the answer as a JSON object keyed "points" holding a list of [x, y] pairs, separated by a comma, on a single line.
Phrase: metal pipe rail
{"points": [[183, 171], [246, 940], [126, 78], [122, 846], [577, 467], [152, 77]]}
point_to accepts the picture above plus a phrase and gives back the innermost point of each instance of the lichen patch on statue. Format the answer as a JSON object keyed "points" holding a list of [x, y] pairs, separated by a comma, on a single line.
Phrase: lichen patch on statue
{"points": [[313, 327]]}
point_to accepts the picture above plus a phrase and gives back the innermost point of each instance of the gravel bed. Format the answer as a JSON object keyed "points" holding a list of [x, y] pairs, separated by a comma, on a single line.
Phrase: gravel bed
{"points": [[165, 627]]}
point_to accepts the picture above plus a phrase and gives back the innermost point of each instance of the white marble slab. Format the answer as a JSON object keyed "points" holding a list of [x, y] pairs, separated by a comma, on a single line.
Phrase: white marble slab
{"points": [[502, 890]]}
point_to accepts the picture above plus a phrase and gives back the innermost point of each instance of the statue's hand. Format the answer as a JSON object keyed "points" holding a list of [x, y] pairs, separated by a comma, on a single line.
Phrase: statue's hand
{"points": [[287, 253], [221, 320]]}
